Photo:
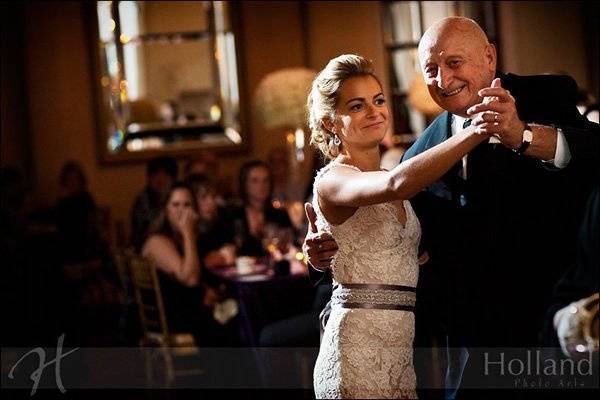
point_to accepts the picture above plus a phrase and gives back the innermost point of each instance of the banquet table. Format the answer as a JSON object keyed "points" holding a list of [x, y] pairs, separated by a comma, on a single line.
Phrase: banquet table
{"points": [[264, 297]]}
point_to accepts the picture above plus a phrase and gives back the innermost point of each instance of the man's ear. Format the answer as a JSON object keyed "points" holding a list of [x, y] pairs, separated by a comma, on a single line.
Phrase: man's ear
{"points": [[490, 55]]}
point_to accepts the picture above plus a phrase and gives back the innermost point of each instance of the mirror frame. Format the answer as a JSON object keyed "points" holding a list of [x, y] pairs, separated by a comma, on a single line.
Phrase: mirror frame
{"points": [[107, 157]]}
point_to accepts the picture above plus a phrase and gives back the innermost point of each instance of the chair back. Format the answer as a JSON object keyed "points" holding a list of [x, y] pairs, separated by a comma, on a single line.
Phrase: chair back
{"points": [[122, 259], [150, 301], [129, 322]]}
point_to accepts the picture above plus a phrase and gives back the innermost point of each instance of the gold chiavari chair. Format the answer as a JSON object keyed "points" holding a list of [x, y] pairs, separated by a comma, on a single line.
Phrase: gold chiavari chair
{"points": [[157, 339]]}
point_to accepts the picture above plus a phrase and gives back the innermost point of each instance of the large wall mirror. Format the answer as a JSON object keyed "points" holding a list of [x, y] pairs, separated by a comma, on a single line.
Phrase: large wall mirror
{"points": [[166, 77]]}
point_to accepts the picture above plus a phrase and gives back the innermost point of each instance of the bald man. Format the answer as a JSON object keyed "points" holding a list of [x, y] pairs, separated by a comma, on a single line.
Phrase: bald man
{"points": [[500, 227]]}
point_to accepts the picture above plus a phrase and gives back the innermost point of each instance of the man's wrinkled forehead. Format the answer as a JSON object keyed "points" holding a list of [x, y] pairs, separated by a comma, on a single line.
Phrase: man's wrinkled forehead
{"points": [[438, 48], [441, 53], [431, 45], [432, 51]]}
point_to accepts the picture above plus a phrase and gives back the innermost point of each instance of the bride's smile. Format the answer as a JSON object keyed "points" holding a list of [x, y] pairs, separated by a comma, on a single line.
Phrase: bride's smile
{"points": [[363, 112]]}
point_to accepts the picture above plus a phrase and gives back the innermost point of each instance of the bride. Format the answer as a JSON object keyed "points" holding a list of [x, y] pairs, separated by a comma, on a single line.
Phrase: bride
{"points": [[366, 350]]}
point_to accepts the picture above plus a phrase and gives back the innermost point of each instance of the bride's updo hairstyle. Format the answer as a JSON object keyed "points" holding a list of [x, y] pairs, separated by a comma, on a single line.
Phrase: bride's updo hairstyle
{"points": [[324, 95]]}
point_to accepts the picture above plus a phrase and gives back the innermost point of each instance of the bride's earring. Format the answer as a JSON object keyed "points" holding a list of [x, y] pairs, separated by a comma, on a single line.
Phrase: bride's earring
{"points": [[336, 140]]}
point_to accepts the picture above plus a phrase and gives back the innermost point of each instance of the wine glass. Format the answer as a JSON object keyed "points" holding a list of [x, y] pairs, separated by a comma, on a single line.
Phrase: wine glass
{"points": [[270, 239]]}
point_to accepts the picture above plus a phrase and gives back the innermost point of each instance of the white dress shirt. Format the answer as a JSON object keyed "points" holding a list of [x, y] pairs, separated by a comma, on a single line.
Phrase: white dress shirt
{"points": [[562, 154]]}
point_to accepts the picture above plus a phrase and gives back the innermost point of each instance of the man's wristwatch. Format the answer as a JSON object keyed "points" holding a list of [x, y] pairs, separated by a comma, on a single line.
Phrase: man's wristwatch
{"points": [[527, 138]]}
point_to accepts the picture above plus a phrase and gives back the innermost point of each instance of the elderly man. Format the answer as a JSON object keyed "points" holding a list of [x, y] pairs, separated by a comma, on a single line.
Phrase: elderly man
{"points": [[500, 227]]}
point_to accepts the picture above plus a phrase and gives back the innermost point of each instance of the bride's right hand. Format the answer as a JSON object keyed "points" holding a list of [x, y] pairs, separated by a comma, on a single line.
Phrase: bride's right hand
{"points": [[318, 247]]}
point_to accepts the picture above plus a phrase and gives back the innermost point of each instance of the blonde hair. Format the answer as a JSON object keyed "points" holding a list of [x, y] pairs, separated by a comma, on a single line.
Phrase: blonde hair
{"points": [[324, 95]]}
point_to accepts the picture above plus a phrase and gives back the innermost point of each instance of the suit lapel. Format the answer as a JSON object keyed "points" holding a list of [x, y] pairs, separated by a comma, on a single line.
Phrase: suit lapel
{"points": [[440, 130], [435, 133]]}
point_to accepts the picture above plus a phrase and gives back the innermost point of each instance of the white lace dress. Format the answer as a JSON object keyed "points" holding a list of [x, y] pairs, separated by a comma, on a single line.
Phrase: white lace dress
{"points": [[367, 352]]}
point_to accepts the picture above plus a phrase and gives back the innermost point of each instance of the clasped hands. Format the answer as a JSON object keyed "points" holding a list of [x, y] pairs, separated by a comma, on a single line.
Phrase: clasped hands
{"points": [[497, 115]]}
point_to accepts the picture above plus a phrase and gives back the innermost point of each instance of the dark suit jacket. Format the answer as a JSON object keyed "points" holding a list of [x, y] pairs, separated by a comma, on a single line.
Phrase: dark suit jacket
{"points": [[500, 240], [583, 278]]}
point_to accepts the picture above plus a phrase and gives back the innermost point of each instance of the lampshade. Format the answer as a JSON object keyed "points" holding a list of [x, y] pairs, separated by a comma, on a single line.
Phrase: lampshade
{"points": [[280, 98], [420, 99]]}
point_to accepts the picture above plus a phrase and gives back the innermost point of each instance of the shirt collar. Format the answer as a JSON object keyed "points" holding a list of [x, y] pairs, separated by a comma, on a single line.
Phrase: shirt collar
{"points": [[457, 124]]}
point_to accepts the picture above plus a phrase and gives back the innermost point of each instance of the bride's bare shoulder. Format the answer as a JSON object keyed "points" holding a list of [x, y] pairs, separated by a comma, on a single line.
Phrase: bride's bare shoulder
{"points": [[335, 178]]}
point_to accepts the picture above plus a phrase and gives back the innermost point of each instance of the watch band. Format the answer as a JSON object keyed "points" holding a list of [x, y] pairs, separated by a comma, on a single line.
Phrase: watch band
{"points": [[522, 148], [525, 143]]}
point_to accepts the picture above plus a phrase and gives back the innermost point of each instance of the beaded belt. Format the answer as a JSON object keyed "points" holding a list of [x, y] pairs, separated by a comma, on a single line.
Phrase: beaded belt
{"points": [[374, 296]]}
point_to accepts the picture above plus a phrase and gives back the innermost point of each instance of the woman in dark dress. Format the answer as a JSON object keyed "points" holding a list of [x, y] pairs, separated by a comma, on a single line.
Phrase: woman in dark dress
{"points": [[257, 216], [215, 240], [172, 246]]}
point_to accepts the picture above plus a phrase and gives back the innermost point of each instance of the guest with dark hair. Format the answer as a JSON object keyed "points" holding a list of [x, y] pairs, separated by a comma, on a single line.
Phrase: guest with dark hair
{"points": [[204, 163], [160, 174], [256, 212], [208, 164], [85, 254], [75, 215], [215, 232], [172, 236], [172, 246]]}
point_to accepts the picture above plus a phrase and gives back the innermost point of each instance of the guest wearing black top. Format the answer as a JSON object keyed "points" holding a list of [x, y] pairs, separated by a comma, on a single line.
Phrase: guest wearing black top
{"points": [[172, 246], [75, 215], [215, 232], [84, 251], [160, 174], [256, 212]]}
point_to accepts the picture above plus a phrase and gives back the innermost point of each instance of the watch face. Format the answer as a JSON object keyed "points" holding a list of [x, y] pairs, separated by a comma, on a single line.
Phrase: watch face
{"points": [[527, 135]]}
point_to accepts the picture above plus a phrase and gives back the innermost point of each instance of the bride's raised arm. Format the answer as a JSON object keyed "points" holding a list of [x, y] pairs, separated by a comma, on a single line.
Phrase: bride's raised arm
{"points": [[346, 187]]}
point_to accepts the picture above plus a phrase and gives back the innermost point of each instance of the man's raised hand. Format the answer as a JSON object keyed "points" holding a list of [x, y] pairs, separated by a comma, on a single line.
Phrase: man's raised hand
{"points": [[318, 247]]}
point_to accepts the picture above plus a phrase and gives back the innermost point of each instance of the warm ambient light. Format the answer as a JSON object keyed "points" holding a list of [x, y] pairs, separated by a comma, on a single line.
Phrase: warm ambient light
{"points": [[233, 135], [291, 138], [215, 112], [420, 99], [280, 98]]}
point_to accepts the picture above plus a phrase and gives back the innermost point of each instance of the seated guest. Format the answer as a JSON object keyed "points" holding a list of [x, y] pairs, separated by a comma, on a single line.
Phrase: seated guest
{"points": [[203, 163], [256, 212], [90, 278], [172, 246], [215, 233], [160, 174], [84, 248], [208, 164], [75, 215]]}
